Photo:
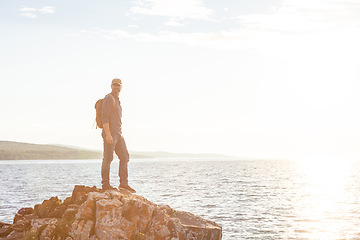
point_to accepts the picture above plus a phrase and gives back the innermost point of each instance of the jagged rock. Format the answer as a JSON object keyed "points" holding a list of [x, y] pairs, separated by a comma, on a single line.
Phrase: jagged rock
{"points": [[14, 235], [94, 214], [110, 224], [23, 214], [5, 229], [45, 227], [47, 208], [26, 211], [81, 229], [69, 214]]}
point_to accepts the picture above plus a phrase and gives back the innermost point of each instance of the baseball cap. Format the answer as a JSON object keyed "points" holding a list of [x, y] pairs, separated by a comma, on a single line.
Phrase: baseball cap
{"points": [[116, 81]]}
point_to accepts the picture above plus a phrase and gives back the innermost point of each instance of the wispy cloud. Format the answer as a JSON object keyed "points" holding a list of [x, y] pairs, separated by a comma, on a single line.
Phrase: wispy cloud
{"points": [[107, 34], [173, 22], [33, 12], [305, 16], [174, 9], [223, 39], [296, 25], [29, 15], [27, 9], [47, 9]]}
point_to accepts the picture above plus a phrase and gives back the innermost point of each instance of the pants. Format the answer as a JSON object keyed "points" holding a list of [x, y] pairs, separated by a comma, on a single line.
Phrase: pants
{"points": [[119, 146]]}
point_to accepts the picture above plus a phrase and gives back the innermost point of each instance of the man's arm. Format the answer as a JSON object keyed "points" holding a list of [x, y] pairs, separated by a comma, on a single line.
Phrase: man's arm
{"points": [[108, 137], [106, 111]]}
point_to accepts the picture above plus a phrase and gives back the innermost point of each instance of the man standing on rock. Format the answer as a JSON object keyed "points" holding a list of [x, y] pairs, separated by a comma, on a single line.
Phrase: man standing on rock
{"points": [[113, 140]]}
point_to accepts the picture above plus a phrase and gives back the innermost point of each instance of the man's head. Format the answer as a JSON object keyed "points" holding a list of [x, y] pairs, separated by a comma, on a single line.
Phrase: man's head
{"points": [[116, 85], [116, 81]]}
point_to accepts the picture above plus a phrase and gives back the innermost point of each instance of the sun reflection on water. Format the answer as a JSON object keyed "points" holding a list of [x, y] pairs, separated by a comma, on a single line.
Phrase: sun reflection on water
{"points": [[323, 210]]}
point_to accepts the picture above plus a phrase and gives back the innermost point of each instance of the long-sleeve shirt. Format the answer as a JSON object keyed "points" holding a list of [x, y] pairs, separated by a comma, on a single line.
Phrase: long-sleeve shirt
{"points": [[112, 113]]}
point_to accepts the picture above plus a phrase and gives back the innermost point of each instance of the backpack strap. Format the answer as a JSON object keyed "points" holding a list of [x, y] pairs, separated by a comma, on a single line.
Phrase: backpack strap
{"points": [[113, 100]]}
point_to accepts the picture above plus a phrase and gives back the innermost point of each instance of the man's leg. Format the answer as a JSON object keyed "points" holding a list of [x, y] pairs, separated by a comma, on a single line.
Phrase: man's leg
{"points": [[123, 154], [108, 156]]}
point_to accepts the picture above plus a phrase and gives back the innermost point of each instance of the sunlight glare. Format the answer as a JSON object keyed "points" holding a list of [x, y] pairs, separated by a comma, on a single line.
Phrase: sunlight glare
{"points": [[325, 190]]}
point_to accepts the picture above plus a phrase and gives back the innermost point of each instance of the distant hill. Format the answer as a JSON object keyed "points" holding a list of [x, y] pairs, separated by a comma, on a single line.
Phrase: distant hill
{"points": [[28, 151]]}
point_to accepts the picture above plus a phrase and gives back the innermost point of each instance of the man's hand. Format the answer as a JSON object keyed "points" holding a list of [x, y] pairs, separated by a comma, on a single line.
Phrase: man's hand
{"points": [[109, 139]]}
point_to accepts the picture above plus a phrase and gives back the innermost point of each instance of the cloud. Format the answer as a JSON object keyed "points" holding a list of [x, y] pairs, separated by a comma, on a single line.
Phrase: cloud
{"points": [[220, 40], [27, 9], [107, 34], [295, 26], [173, 22], [29, 15], [47, 9], [305, 16], [181, 9], [33, 12]]}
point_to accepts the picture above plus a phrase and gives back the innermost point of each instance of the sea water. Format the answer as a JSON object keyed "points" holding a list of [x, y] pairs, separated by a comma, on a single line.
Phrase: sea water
{"points": [[250, 199]]}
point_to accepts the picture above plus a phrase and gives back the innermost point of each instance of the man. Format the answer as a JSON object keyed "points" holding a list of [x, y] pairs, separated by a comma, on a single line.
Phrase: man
{"points": [[113, 139]]}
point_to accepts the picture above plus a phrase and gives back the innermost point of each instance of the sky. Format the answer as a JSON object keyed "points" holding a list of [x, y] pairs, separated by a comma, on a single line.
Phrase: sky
{"points": [[249, 78]]}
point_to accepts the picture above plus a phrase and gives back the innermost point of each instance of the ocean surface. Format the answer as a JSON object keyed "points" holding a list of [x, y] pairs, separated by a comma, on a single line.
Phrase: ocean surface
{"points": [[250, 199]]}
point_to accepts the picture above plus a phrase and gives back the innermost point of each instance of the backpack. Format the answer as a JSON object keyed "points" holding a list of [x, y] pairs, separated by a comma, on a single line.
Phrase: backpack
{"points": [[98, 108]]}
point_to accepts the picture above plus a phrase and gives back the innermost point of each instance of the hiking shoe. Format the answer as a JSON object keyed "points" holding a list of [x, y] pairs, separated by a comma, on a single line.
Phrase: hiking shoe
{"points": [[127, 187], [108, 187]]}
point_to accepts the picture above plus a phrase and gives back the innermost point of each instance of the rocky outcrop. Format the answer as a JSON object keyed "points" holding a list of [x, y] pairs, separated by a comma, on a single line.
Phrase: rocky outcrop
{"points": [[94, 214]]}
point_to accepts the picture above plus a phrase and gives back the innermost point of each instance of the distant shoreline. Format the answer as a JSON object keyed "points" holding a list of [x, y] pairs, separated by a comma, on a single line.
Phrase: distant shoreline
{"points": [[27, 151]]}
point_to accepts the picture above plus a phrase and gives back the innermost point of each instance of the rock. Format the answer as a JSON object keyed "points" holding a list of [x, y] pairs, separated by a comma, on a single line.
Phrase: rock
{"points": [[69, 214], [5, 229], [44, 228], [14, 235], [22, 220], [93, 214], [18, 217], [195, 227], [81, 229], [110, 223], [26, 211], [59, 211], [47, 208]]}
